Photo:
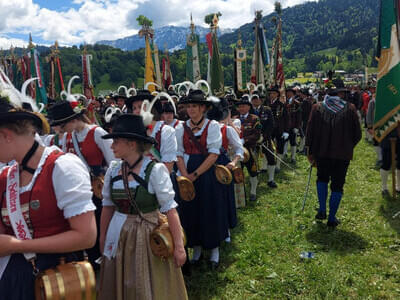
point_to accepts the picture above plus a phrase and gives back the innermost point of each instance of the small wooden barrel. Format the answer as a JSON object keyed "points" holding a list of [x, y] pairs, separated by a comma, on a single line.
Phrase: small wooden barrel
{"points": [[68, 281], [224, 176]]}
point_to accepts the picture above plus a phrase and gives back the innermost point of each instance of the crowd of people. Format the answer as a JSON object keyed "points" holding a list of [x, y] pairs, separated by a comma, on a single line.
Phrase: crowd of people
{"points": [[103, 189]]}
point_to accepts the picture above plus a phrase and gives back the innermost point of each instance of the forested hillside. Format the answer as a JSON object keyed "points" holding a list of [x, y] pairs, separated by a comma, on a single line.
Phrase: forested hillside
{"points": [[323, 35]]}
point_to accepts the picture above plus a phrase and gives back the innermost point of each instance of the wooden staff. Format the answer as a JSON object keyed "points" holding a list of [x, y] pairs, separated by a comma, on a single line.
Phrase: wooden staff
{"points": [[393, 150]]}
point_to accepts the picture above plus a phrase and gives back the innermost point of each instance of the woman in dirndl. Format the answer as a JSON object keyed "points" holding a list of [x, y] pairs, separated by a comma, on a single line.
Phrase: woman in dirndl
{"points": [[46, 208], [230, 141], [129, 269], [205, 218]]}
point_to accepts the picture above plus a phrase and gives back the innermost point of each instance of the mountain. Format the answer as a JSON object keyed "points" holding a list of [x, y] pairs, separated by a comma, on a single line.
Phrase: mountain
{"points": [[172, 37]]}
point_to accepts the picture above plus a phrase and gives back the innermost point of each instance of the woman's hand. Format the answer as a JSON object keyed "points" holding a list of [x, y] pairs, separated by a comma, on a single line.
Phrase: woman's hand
{"points": [[230, 165], [191, 177], [8, 244], [179, 256]]}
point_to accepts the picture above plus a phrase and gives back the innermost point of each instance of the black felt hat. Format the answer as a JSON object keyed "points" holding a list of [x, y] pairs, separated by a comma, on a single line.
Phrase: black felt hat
{"points": [[10, 114], [197, 97], [219, 111], [168, 108], [62, 112], [129, 126], [140, 96], [244, 100], [120, 94], [274, 89]]}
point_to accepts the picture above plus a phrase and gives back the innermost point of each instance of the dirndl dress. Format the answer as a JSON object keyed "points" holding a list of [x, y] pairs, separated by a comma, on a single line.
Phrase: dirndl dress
{"points": [[129, 269], [205, 218]]}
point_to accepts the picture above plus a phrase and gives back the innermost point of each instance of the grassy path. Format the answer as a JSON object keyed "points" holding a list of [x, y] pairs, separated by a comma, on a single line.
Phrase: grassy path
{"points": [[359, 260]]}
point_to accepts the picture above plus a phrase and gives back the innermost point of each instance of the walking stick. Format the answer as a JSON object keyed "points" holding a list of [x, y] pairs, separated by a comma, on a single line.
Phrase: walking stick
{"points": [[307, 188], [393, 150]]}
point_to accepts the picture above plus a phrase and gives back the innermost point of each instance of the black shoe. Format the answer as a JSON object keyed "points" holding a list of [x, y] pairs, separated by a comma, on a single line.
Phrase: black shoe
{"points": [[213, 265], [320, 215], [186, 268], [385, 193], [262, 171], [272, 184], [197, 262], [277, 170], [333, 224], [293, 161], [253, 197]]}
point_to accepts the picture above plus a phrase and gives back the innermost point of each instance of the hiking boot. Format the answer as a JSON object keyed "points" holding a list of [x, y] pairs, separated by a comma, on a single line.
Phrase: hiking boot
{"points": [[333, 224], [320, 215], [272, 184], [253, 197]]}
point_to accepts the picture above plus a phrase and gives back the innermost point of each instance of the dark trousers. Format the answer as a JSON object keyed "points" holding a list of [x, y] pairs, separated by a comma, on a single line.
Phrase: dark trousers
{"points": [[279, 140], [268, 155], [333, 170], [292, 138], [387, 155], [251, 165]]}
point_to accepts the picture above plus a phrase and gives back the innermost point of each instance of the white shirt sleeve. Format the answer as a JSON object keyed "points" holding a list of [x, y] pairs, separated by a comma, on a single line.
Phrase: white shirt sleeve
{"points": [[72, 186], [104, 145], [234, 141], [47, 139], [179, 140], [168, 144], [107, 187], [214, 138], [160, 184], [237, 123]]}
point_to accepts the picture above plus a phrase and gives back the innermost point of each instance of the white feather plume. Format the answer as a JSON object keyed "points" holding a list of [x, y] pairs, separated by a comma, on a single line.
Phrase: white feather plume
{"points": [[146, 86], [145, 112], [169, 98], [201, 82], [110, 112], [128, 92]]}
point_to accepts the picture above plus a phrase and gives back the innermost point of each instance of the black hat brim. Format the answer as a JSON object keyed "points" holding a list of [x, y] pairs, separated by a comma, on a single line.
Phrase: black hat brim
{"points": [[243, 102], [128, 135], [133, 99], [205, 102], [66, 120], [13, 116]]}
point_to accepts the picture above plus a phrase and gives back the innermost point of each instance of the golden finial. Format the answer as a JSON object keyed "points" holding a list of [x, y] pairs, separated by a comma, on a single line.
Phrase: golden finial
{"points": [[239, 43], [31, 45]]}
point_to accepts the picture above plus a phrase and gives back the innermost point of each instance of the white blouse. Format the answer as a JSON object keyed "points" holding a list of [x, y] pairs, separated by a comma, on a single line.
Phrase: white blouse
{"points": [[234, 141], [71, 183], [214, 138], [168, 142], [104, 145], [159, 184]]}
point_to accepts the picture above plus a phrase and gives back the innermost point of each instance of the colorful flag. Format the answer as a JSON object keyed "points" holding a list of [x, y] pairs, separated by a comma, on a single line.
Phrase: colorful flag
{"points": [[36, 71], [192, 55], [387, 107], [87, 83], [156, 63], [149, 73], [240, 68], [166, 70], [260, 54], [215, 75], [279, 74], [56, 84]]}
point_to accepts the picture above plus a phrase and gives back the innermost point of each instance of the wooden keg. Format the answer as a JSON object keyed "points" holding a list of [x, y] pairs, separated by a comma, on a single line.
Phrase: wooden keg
{"points": [[67, 281]]}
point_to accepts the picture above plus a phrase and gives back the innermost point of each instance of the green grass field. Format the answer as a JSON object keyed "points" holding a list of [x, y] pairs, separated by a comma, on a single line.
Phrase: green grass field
{"points": [[358, 260]]}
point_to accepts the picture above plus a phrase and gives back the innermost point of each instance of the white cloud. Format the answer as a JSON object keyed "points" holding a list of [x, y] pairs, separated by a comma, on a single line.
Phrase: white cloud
{"points": [[96, 20]]}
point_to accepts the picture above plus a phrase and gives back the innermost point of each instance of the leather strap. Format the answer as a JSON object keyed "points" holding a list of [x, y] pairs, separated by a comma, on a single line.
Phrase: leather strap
{"points": [[28, 156]]}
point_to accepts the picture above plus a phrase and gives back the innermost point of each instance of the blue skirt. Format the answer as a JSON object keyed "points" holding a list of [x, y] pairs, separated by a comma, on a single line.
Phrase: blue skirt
{"points": [[204, 219], [229, 194], [18, 281]]}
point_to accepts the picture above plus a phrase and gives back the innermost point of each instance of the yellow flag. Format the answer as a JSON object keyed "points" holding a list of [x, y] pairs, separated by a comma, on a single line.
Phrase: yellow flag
{"points": [[149, 73]]}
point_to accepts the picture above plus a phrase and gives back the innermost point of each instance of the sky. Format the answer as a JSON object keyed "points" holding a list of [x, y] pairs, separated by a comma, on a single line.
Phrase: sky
{"points": [[74, 22]]}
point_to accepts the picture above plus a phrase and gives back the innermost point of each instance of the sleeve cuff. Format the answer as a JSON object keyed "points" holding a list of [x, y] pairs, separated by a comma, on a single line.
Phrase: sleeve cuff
{"points": [[168, 206]]}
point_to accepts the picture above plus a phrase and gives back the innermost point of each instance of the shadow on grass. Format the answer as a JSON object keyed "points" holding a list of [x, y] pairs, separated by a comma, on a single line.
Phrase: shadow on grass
{"points": [[390, 209], [337, 240], [204, 281]]}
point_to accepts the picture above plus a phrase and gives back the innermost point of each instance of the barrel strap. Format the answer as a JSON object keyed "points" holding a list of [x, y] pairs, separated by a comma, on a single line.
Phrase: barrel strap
{"points": [[92, 280], [60, 284], [81, 280]]}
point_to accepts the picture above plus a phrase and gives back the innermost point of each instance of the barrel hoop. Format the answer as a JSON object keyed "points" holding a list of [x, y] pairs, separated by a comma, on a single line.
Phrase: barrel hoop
{"points": [[92, 280], [47, 287], [60, 283], [81, 280]]}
